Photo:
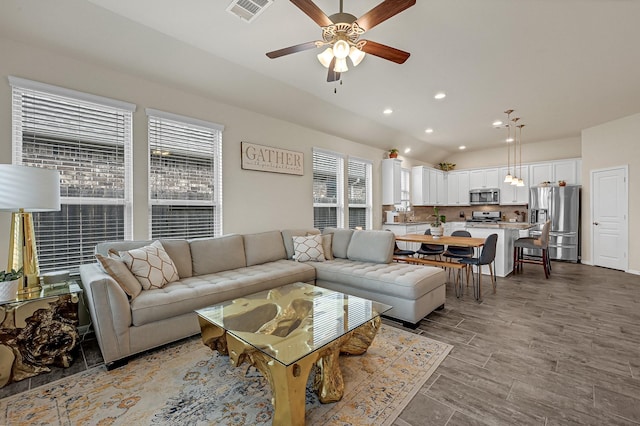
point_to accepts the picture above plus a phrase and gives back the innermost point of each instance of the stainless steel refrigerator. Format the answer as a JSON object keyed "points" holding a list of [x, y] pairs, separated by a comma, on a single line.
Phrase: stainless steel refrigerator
{"points": [[561, 205]]}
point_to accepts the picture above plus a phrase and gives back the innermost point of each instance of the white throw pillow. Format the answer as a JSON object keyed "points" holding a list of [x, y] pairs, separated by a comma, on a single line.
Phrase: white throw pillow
{"points": [[151, 265], [308, 249]]}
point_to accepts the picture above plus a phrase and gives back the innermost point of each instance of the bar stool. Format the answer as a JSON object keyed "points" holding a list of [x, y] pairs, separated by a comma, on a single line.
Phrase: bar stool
{"points": [[541, 243]]}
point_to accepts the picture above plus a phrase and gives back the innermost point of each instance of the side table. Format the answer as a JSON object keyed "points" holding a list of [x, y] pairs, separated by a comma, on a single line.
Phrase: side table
{"points": [[38, 331]]}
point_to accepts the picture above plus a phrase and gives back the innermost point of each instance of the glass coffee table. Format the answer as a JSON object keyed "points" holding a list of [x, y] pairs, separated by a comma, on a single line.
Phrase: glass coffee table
{"points": [[286, 332]]}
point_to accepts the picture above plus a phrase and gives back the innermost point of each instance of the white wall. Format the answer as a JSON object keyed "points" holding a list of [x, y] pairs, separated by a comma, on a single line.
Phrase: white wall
{"points": [[616, 143], [253, 201], [531, 153]]}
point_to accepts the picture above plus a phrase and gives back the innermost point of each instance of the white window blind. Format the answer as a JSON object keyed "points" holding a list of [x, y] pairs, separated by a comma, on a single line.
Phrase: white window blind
{"points": [[405, 188], [185, 177], [89, 143], [328, 193], [359, 193]]}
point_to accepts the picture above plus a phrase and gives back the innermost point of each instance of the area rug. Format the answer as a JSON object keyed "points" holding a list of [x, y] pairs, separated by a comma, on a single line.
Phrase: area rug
{"points": [[189, 384]]}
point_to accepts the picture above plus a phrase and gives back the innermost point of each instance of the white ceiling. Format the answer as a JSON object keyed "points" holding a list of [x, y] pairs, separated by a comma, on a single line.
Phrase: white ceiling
{"points": [[563, 65]]}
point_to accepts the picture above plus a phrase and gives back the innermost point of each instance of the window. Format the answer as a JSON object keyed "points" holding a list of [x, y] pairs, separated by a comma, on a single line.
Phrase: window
{"points": [[359, 193], [328, 182], [185, 176], [88, 140]]}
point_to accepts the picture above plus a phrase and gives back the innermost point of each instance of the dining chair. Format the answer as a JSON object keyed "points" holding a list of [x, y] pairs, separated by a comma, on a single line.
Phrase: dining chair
{"points": [[459, 252], [487, 257], [430, 249], [541, 243]]}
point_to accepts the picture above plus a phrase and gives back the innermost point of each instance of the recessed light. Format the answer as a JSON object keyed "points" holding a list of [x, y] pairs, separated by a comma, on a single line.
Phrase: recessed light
{"points": [[407, 150], [509, 140], [497, 123], [429, 130], [387, 111], [462, 147], [440, 95]]}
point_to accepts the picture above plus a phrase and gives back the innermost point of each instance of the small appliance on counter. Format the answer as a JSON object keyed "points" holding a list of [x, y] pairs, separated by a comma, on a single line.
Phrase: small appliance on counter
{"points": [[479, 218], [393, 216]]}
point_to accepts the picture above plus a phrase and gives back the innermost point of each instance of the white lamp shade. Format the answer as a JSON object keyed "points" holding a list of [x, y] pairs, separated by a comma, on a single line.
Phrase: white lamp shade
{"points": [[326, 57], [341, 65], [356, 55], [341, 49], [508, 178], [30, 188]]}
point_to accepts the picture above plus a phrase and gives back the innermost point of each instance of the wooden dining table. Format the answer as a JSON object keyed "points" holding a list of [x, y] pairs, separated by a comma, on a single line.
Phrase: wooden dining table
{"points": [[446, 241]]}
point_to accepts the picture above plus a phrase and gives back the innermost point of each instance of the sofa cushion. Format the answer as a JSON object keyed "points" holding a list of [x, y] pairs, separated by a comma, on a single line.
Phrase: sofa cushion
{"points": [[211, 255], [341, 239], [117, 269], [308, 248], [372, 246], [151, 265], [327, 246], [118, 246], [287, 238], [180, 252], [263, 247], [394, 279], [188, 294]]}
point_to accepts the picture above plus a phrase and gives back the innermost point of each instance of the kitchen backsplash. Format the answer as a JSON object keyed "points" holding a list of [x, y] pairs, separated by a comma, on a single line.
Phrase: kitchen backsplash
{"points": [[452, 213]]}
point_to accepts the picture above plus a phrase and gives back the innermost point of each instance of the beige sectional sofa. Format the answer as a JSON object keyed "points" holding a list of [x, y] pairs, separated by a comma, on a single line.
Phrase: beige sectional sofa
{"points": [[214, 270]]}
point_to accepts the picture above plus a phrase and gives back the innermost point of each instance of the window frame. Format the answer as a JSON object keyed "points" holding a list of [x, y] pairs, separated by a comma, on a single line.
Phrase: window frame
{"points": [[88, 104], [339, 205], [368, 205], [216, 202]]}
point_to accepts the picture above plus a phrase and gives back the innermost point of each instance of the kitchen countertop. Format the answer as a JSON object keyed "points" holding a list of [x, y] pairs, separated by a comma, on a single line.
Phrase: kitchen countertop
{"points": [[504, 225]]}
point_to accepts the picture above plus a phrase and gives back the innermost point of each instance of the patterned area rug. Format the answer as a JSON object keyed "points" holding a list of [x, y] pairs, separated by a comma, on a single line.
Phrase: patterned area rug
{"points": [[189, 384]]}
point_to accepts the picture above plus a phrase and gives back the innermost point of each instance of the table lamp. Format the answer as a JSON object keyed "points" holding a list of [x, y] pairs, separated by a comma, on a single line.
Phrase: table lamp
{"points": [[24, 190]]}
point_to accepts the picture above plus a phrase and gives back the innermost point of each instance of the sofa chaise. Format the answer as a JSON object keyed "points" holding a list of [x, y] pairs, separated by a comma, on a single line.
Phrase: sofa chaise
{"points": [[129, 320]]}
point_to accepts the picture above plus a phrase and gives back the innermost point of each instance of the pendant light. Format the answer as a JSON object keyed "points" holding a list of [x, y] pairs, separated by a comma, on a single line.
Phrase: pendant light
{"points": [[520, 180], [508, 178], [515, 179]]}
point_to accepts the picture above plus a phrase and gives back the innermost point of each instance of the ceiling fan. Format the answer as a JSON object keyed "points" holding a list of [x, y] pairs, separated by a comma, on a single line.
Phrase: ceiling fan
{"points": [[341, 33]]}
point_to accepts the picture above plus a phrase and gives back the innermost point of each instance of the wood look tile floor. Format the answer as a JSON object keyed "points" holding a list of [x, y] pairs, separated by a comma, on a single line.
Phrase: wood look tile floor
{"points": [[562, 351]]}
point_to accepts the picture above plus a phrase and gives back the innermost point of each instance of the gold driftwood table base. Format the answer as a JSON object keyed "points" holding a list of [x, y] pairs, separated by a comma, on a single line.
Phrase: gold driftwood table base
{"points": [[288, 383], [288, 332]]}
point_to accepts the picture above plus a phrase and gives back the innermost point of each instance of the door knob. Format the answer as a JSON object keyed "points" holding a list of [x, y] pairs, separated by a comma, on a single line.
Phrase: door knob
{"points": [[596, 223]]}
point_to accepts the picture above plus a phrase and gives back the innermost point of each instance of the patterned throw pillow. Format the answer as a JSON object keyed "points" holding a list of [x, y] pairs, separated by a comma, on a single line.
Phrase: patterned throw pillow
{"points": [[151, 265], [308, 249]]}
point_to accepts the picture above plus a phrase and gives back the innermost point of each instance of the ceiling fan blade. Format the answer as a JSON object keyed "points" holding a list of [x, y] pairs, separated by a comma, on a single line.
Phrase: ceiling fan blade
{"points": [[385, 52], [313, 12], [292, 49], [332, 75], [382, 12]]}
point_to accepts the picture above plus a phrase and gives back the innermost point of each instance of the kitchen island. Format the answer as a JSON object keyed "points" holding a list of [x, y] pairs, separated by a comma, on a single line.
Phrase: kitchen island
{"points": [[508, 233]]}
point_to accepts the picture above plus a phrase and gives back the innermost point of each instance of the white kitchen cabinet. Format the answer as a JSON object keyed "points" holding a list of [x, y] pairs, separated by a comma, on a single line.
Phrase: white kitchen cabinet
{"points": [[512, 194], [484, 178], [427, 186], [566, 171], [450, 227], [553, 171], [407, 228], [391, 181], [458, 188]]}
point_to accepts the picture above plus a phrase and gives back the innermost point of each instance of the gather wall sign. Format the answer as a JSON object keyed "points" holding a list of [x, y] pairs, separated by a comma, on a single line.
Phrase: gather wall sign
{"points": [[268, 159]]}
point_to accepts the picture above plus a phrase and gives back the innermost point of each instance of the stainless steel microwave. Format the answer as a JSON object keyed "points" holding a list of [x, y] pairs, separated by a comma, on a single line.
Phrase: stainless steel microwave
{"points": [[484, 196]]}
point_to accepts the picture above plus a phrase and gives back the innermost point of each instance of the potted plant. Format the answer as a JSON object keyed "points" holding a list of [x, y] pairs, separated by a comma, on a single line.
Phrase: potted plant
{"points": [[446, 166], [393, 153], [436, 226], [9, 284]]}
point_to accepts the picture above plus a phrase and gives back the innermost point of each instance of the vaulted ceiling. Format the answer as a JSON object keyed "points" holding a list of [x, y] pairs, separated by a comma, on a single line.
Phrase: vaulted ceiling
{"points": [[562, 65]]}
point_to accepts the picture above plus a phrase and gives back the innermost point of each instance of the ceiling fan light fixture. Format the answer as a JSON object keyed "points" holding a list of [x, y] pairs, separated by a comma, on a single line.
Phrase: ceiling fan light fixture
{"points": [[341, 49], [326, 57], [356, 55], [341, 65]]}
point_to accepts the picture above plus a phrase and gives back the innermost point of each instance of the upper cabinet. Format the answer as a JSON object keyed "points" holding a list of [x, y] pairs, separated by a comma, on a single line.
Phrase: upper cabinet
{"points": [[484, 178], [458, 188], [391, 181], [568, 170], [427, 186]]}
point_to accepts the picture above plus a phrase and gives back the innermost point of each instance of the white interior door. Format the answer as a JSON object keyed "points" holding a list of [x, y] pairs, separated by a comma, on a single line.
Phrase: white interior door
{"points": [[609, 213]]}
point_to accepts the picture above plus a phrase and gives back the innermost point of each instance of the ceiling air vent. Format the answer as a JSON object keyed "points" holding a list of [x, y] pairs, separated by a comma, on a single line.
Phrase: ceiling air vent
{"points": [[248, 10]]}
